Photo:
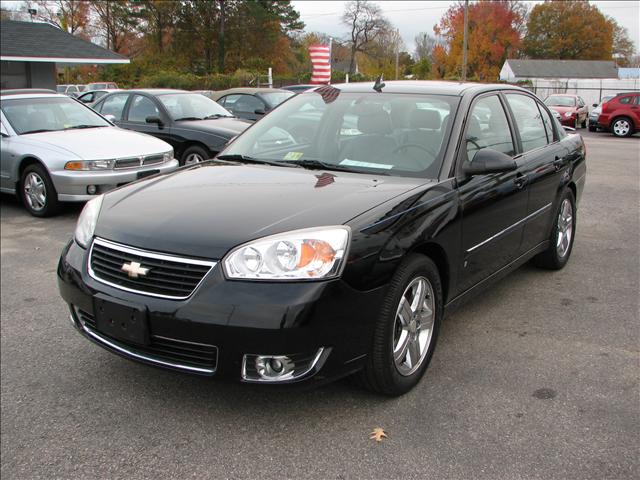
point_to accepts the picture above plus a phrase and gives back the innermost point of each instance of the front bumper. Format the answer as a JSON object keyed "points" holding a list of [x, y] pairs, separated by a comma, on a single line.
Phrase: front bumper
{"points": [[568, 121], [329, 323], [72, 185]]}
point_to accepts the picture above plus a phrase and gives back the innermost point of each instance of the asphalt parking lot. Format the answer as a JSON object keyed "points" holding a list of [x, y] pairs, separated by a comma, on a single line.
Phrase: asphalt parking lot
{"points": [[536, 378]]}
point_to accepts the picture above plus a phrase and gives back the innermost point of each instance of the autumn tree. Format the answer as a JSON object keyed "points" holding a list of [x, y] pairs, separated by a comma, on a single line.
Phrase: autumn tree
{"points": [[493, 37], [623, 48], [571, 30], [69, 15], [158, 19], [114, 22], [366, 25]]}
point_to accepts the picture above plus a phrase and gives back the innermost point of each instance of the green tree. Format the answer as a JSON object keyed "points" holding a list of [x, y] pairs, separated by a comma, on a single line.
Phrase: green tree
{"points": [[571, 29]]}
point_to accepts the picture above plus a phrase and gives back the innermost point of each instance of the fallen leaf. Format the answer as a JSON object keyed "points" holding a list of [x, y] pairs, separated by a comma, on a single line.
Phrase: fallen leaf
{"points": [[378, 434]]}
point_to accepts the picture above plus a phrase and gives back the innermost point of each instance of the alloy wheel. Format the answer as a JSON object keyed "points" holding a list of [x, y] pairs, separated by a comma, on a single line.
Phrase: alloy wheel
{"points": [[413, 328], [35, 191], [192, 159], [565, 228], [621, 127]]}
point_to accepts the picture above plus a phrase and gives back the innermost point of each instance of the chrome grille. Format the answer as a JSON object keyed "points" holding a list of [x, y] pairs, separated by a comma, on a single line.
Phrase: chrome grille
{"points": [[165, 276], [128, 162], [153, 160], [180, 353]]}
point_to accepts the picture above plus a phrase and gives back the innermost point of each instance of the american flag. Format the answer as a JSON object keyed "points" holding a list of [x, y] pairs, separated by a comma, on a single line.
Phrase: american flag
{"points": [[320, 58]]}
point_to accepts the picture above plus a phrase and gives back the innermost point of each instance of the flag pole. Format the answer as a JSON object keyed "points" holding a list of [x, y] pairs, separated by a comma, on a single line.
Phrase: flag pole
{"points": [[330, 58]]}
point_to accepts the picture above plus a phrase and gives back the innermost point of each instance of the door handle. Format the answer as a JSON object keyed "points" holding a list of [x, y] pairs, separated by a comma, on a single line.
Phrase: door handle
{"points": [[520, 181], [558, 163]]}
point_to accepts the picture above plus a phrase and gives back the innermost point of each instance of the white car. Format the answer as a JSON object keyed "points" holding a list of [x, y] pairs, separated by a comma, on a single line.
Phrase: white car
{"points": [[91, 97], [54, 149]]}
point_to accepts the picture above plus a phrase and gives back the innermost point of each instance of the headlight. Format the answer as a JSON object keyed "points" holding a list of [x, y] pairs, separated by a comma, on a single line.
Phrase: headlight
{"points": [[87, 221], [309, 254], [168, 156], [90, 165], [568, 114]]}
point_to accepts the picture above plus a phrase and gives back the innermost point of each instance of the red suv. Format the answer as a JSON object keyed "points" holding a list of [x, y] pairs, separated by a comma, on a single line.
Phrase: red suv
{"points": [[621, 114]]}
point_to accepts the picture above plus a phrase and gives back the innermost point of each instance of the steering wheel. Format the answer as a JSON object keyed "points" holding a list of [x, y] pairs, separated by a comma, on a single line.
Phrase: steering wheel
{"points": [[424, 148]]}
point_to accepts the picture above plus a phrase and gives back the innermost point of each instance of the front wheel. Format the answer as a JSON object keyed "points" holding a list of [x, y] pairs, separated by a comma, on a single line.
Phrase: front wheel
{"points": [[406, 330], [622, 127], [194, 155], [585, 121], [37, 192], [558, 252]]}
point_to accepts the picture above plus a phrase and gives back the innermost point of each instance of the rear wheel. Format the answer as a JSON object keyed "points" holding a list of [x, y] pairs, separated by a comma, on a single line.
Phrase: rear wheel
{"points": [[622, 127], [585, 121], [406, 330], [593, 128], [37, 192], [557, 254]]}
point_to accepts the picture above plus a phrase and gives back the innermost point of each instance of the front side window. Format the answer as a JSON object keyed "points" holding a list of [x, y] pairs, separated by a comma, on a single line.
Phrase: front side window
{"points": [[487, 127], [528, 121], [142, 107], [248, 104], [33, 115], [114, 105], [359, 132], [548, 124]]}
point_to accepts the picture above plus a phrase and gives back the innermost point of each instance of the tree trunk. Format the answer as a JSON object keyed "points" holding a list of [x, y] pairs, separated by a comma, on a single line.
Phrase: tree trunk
{"points": [[221, 48], [352, 61]]}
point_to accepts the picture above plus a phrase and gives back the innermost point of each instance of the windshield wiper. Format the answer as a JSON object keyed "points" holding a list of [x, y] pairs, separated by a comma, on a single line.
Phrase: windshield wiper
{"points": [[218, 115], [246, 159], [312, 164], [77, 127], [188, 118]]}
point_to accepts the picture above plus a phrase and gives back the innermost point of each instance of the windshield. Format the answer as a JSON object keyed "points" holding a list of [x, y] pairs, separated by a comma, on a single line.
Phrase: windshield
{"points": [[361, 132], [192, 106], [561, 101], [32, 115], [276, 98]]}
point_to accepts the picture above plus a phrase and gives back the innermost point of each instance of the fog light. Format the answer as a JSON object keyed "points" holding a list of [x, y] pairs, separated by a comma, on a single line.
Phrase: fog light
{"points": [[92, 189], [279, 368], [269, 368]]}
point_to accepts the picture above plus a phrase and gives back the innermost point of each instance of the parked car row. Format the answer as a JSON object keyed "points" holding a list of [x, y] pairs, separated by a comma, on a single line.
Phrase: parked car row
{"points": [[618, 114], [77, 90]]}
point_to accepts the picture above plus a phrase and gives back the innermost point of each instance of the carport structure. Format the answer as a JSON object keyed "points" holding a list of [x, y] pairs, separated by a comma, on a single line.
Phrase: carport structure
{"points": [[31, 51]]}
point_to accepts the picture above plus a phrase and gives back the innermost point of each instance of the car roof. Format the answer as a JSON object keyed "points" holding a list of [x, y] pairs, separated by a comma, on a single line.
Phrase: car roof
{"points": [[155, 91], [108, 90], [250, 90], [31, 93], [435, 87], [23, 91], [572, 95]]}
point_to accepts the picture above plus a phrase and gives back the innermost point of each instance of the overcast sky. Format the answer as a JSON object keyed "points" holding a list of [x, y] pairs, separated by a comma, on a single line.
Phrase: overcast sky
{"points": [[413, 17]]}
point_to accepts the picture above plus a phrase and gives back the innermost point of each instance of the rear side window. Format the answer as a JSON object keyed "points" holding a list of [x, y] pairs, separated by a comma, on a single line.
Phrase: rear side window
{"points": [[114, 105], [637, 99], [626, 100], [487, 127], [528, 121]]}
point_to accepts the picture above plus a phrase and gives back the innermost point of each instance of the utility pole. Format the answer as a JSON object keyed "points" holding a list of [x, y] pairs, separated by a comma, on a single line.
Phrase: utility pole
{"points": [[331, 60], [464, 41], [397, 53]]}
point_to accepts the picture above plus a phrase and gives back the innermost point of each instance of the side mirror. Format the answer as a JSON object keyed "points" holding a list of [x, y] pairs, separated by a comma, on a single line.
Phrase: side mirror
{"points": [[154, 119], [488, 161], [84, 100], [259, 111], [568, 129], [111, 118]]}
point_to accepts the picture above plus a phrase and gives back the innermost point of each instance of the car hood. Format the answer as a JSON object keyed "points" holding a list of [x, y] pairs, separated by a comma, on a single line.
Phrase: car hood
{"points": [[99, 143], [225, 127], [561, 110], [206, 210]]}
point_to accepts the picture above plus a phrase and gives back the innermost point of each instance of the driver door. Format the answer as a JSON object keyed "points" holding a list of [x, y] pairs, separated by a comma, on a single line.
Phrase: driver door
{"points": [[493, 205]]}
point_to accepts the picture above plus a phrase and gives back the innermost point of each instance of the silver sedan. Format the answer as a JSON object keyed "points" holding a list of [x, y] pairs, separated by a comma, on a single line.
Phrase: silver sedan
{"points": [[54, 149]]}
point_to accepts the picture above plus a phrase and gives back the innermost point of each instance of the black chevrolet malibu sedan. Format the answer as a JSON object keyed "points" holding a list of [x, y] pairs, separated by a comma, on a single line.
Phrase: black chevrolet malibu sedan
{"points": [[336, 252]]}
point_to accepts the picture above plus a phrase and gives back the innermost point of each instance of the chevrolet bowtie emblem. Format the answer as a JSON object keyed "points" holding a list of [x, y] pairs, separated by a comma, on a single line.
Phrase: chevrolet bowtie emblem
{"points": [[134, 269]]}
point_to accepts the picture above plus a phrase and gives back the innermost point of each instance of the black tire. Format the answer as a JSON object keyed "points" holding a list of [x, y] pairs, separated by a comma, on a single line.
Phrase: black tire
{"points": [[585, 122], [44, 205], [576, 123], [618, 132], [380, 373], [593, 128], [195, 151], [551, 259]]}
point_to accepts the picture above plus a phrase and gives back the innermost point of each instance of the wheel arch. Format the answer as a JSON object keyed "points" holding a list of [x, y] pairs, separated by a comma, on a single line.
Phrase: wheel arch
{"points": [[23, 164], [195, 143], [439, 256]]}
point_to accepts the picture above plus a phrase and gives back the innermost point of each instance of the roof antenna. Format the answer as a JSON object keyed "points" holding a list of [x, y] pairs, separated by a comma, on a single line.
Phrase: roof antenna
{"points": [[379, 85]]}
